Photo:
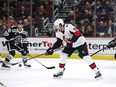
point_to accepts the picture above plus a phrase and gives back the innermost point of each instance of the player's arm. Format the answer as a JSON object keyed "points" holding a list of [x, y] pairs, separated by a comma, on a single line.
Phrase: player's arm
{"points": [[76, 34], [7, 34], [56, 45], [24, 37], [24, 42]]}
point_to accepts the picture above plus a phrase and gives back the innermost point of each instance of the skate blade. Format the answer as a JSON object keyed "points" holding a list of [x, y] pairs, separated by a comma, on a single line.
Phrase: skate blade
{"points": [[59, 77], [98, 78], [2, 68], [27, 67]]}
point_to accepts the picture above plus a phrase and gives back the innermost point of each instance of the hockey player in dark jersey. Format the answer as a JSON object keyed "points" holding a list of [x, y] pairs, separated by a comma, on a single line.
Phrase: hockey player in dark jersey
{"points": [[16, 40], [112, 44], [74, 41]]}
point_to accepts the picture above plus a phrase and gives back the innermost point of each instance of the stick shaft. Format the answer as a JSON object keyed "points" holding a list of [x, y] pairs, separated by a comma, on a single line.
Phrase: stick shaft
{"points": [[98, 51]]}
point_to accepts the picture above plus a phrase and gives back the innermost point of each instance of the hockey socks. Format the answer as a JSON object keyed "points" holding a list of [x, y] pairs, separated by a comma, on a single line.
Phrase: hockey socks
{"points": [[92, 65]]}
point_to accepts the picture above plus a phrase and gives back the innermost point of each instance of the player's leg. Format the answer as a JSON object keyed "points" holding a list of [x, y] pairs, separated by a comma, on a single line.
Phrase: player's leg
{"points": [[63, 56], [83, 53], [24, 57], [24, 51], [62, 63], [11, 49], [8, 58], [92, 65]]}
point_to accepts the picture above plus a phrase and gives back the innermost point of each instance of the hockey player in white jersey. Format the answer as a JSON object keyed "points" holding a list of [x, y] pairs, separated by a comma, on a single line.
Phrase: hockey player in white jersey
{"points": [[74, 41]]}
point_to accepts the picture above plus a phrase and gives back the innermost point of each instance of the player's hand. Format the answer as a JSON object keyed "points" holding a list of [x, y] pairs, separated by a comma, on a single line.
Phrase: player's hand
{"points": [[49, 51], [112, 43], [69, 44]]}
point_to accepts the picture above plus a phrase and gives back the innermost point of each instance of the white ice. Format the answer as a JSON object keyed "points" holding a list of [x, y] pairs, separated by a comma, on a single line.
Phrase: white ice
{"points": [[77, 74]]}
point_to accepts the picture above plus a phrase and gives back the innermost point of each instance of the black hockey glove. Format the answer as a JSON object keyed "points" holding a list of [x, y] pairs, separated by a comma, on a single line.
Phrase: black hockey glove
{"points": [[49, 51], [115, 56], [112, 43], [69, 44]]}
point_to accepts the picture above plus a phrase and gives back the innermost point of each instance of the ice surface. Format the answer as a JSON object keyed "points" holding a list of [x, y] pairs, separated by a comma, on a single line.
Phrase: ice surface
{"points": [[77, 74]]}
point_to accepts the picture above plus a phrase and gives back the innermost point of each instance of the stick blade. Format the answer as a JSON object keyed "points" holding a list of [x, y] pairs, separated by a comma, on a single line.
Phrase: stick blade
{"points": [[1, 61], [52, 67]]}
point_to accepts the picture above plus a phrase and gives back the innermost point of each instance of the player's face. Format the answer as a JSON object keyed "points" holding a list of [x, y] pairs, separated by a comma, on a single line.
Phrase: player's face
{"points": [[61, 28], [20, 27]]}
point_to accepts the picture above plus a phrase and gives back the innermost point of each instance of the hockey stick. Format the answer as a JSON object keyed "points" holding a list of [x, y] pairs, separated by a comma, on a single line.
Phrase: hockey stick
{"points": [[113, 43], [98, 51], [34, 58], [52, 67], [2, 85], [24, 60]]}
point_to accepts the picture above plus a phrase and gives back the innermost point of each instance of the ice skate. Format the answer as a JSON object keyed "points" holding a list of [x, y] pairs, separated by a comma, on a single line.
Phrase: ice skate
{"points": [[59, 74], [98, 75], [26, 64], [4, 66]]}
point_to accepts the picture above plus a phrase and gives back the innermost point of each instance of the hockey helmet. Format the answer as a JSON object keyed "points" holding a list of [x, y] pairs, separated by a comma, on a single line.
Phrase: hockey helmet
{"points": [[58, 22]]}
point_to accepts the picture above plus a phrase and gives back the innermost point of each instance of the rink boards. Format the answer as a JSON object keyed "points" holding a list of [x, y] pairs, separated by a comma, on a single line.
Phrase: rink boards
{"points": [[39, 45]]}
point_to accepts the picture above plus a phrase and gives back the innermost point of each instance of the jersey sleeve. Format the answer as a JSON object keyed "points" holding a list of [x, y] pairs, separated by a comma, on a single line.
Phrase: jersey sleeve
{"points": [[11, 33], [23, 34], [7, 34], [57, 44], [75, 32], [59, 40], [59, 35]]}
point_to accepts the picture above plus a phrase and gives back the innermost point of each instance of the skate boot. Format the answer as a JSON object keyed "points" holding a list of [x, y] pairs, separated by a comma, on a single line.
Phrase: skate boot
{"points": [[4, 66], [98, 75], [26, 64], [59, 74]]}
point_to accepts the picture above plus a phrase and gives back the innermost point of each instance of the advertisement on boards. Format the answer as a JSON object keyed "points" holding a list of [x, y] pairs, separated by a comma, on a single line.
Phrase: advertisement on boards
{"points": [[40, 45]]}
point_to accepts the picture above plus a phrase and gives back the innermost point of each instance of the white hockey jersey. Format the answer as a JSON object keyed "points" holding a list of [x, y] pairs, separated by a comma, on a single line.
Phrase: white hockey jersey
{"points": [[68, 33]]}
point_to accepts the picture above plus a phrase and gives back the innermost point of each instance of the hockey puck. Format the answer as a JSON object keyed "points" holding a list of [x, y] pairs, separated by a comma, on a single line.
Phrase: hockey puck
{"points": [[20, 65]]}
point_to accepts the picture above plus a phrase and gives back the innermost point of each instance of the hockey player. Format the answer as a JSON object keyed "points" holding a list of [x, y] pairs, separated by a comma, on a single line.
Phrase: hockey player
{"points": [[16, 40], [74, 41]]}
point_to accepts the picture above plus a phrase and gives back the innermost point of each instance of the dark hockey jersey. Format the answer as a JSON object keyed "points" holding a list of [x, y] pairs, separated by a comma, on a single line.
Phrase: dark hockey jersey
{"points": [[11, 33]]}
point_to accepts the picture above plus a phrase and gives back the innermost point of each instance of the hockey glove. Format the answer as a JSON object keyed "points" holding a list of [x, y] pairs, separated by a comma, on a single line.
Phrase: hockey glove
{"points": [[112, 43], [49, 51], [115, 56], [69, 44]]}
